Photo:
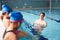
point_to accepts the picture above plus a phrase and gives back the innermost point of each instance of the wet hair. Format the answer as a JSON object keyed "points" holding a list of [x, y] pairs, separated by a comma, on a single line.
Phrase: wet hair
{"points": [[42, 13]]}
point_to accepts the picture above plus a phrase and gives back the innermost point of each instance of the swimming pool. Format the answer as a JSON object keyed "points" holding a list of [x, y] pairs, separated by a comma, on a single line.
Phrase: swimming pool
{"points": [[52, 31]]}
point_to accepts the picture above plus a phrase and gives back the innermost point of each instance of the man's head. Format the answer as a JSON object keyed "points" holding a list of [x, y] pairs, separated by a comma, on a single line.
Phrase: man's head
{"points": [[16, 18], [42, 15]]}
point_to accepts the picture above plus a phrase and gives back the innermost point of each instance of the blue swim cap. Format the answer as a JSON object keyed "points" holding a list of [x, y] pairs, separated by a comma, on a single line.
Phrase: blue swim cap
{"points": [[5, 8], [4, 5], [16, 16]]}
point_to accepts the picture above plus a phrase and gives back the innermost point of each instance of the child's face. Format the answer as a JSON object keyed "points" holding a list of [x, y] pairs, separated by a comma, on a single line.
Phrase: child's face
{"points": [[6, 19], [16, 25], [6, 22]]}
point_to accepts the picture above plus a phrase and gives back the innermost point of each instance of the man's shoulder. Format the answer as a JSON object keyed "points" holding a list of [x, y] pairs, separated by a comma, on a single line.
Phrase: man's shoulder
{"points": [[45, 23]]}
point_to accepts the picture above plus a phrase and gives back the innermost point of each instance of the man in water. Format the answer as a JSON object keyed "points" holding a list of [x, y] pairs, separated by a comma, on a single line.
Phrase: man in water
{"points": [[39, 25]]}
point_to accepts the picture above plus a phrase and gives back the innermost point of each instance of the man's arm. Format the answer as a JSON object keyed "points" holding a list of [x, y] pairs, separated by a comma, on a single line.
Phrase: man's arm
{"points": [[50, 18], [53, 19]]}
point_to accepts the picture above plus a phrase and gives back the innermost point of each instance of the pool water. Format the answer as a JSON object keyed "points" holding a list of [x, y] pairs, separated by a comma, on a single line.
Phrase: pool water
{"points": [[52, 31]]}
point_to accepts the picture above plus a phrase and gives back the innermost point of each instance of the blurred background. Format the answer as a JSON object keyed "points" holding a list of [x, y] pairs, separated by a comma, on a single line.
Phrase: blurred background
{"points": [[31, 4]]}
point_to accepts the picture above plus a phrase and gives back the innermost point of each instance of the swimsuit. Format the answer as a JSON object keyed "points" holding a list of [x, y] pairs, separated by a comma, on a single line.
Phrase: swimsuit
{"points": [[14, 31]]}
